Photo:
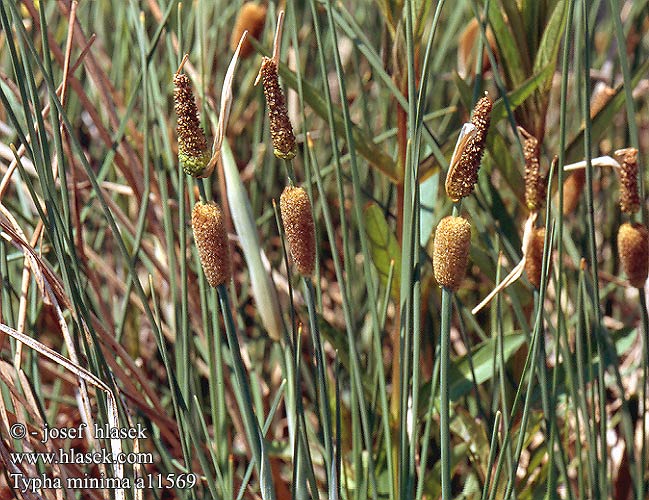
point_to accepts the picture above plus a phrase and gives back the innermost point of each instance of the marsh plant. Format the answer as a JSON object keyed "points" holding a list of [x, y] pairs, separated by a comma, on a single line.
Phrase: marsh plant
{"points": [[369, 249]]}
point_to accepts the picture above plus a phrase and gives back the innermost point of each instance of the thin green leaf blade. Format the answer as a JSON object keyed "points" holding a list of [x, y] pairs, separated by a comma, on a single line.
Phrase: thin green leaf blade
{"points": [[551, 41]]}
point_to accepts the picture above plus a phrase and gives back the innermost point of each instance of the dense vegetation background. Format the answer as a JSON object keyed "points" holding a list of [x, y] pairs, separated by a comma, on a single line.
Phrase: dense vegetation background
{"points": [[355, 381]]}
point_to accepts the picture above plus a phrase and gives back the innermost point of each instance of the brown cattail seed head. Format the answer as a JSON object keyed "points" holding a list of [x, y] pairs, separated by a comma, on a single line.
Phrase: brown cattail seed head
{"points": [[633, 248], [462, 177], [251, 17], [281, 130], [629, 197], [297, 217], [451, 251], [534, 257], [212, 242], [572, 189], [602, 94], [535, 183], [193, 153]]}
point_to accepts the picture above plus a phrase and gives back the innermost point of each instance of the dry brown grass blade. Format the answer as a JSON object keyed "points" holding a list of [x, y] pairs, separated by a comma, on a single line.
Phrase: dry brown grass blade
{"points": [[158, 15], [25, 400], [45, 113], [11, 468], [49, 297], [68, 49], [226, 105], [82, 374], [517, 271], [106, 94]]}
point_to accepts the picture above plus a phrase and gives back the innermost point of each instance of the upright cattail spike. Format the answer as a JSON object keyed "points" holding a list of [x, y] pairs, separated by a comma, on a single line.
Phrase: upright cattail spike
{"points": [[451, 251], [572, 189], [463, 172], [211, 240], [281, 130], [629, 196], [251, 18], [535, 182], [193, 151], [534, 257], [601, 96], [297, 217], [633, 249]]}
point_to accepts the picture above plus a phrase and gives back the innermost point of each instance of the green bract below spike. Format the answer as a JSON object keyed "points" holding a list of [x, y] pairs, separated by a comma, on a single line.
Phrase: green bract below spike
{"points": [[194, 165], [289, 155]]}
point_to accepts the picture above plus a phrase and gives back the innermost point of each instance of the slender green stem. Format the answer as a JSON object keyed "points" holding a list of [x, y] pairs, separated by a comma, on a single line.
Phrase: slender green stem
{"points": [[492, 455], [321, 377], [643, 406], [253, 433], [592, 249], [445, 347], [503, 388], [429, 421]]}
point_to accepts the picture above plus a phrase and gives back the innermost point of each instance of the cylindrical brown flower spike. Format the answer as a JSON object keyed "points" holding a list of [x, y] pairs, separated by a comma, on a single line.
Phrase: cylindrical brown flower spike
{"points": [[602, 94], [193, 151], [297, 217], [251, 18], [451, 251], [211, 240], [534, 257], [464, 174], [535, 183], [281, 130], [572, 189], [633, 249], [629, 196]]}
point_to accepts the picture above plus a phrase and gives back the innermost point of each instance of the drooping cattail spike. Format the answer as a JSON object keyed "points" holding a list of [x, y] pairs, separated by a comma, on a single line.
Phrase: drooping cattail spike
{"points": [[451, 251], [211, 240], [534, 257], [633, 249], [193, 151], [251, 18], [572, 189], [535, 182], [463, 172], [297, 217], [629, 196]]}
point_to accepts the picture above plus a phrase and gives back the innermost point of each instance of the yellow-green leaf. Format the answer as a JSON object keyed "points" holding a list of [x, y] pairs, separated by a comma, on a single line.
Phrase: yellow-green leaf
{"points": [[384, 247]]}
